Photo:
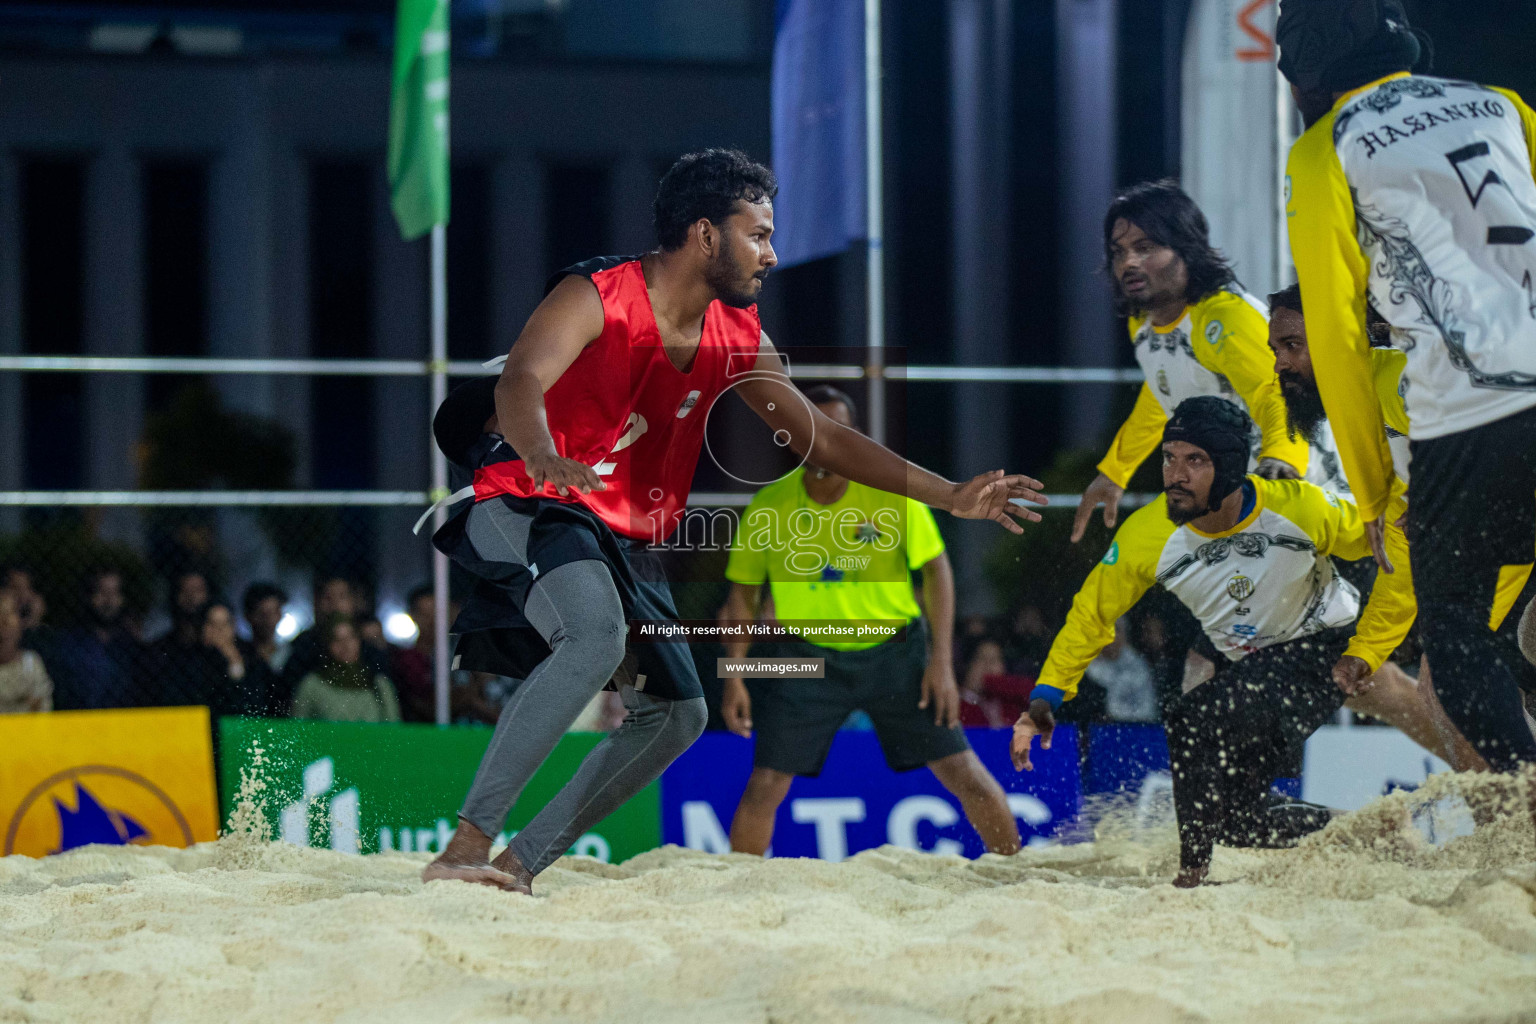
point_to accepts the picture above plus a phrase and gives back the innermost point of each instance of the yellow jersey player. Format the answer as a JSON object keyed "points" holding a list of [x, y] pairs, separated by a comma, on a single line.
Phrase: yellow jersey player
{"points": [[1250, 559], [1195, 332], [1388, 694], [1417, 194]]}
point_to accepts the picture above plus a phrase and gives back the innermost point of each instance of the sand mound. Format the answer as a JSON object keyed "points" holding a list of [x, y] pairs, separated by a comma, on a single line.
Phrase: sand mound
{"points": [[1365, 922]]}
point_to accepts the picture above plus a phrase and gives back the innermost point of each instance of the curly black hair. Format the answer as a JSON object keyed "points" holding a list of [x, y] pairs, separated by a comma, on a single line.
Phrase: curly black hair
{"points": [[705, 186], [1376, 326], [1169, 217], [1288, 297]]}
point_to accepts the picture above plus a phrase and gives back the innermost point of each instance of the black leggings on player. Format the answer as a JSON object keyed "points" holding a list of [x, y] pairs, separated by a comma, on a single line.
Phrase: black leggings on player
{"points": [[1471, 535], [576, 608], [1229, 738]]}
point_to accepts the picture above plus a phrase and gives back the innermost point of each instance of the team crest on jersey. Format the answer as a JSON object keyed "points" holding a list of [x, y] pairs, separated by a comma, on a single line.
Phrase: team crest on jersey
{"points": [[1214, 332], [866, 533], [688, 404], [1240, 587], [1162, 382]]}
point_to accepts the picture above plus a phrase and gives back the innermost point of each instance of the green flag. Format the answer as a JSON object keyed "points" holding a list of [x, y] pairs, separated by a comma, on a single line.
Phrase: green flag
{"points": [[418, 117]]}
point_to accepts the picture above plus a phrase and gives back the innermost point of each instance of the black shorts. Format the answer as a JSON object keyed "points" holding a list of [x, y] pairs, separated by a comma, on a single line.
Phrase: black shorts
{"points": [[1229, 738], [1471, 527], [796, 720], [493, 634]]}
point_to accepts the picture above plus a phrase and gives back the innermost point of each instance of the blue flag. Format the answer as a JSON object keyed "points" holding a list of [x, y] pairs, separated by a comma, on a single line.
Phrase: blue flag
{"points": [[818, 128]]}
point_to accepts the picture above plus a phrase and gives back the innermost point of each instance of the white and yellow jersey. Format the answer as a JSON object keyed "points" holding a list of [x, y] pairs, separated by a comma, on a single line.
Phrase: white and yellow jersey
{"points": [[1327, 469], [1266, 581], [1418, 192], [1217, 347]]}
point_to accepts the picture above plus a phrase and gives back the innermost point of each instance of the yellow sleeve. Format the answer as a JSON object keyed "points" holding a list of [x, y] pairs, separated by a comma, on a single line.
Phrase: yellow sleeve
{"points": [[1126, 572], [924, 543], [1387, 366], [1137, 438], [1232, 339], [1527, 119], [1390, 612], [1333, 274], [1333, 524]]}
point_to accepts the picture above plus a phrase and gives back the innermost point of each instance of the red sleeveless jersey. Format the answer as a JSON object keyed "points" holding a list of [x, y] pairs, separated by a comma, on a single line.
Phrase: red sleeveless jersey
{"points": [[624, 409]]}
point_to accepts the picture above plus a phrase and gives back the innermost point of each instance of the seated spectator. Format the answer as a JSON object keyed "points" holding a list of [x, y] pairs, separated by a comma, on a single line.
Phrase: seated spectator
{"points": [[30, 606], [180, 670], [24, 683], [263, 605], [371, 631], [94, 664], [991, 697], [334, 596], [411, 668], [1129, 689], [344, 687], [246, 686]]}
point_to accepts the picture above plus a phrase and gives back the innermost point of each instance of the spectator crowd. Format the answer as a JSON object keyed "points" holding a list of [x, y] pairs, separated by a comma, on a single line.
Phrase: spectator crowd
{"points": [[343, 668], [999, 658]]}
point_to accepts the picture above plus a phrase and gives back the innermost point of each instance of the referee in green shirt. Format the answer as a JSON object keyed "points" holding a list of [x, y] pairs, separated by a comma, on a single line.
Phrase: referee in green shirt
{"points": [[832, 550]]}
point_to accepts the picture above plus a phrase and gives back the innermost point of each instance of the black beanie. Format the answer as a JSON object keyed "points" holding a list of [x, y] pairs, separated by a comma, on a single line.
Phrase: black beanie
{"points": [[1338, 45], [1222, 430], [460, 420]]}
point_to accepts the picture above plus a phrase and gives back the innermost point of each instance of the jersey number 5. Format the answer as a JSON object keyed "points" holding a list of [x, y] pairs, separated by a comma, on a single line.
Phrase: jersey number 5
{"points": [[1465, 162]]}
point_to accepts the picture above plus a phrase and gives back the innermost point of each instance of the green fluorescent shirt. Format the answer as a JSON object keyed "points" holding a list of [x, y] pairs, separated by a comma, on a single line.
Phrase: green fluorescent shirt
{"points": [[850, 560]]}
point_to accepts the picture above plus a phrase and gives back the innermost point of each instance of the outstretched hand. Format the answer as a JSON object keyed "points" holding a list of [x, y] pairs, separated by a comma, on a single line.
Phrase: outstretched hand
{"points": [[1103, 491], [1040, 721], [992, 496]]}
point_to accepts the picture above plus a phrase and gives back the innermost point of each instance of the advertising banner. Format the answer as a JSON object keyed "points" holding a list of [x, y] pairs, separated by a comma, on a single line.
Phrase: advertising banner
{"points": [[72, 778], [858, 803], [1236, 127], [365, 788], [1349, 766]]}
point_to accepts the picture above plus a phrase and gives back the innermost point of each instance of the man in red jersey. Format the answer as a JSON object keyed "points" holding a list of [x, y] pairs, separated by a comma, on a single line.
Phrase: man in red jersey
{"points": [[583, 455]]}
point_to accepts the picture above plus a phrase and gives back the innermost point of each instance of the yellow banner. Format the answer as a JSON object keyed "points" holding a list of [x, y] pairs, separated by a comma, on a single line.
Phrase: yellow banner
{"points": [[71, 778]]}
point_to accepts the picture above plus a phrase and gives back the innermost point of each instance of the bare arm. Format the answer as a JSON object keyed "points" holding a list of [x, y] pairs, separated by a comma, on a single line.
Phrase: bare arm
{"points": [[846, 452], [568, 320], [939, 602], [742, 605], [939, 686]]}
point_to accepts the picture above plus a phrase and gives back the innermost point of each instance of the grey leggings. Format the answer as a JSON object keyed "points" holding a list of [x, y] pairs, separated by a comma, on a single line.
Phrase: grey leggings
{"points": [[576, 609]]}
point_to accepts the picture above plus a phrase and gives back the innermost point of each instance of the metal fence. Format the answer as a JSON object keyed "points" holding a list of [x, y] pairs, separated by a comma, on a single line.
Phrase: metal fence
{"points": [[324, 551]]}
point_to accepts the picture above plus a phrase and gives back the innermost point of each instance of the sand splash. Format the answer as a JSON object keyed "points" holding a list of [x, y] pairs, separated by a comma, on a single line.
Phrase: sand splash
{"points": [[1367, 921]]}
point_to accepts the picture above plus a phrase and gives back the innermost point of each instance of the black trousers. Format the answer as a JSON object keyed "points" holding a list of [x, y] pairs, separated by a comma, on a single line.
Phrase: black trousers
{"points": [[1229, 739], [1471, 526]]}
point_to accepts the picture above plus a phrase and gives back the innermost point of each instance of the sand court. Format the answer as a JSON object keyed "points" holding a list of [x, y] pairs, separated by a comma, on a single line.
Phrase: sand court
{"points": [[1363, 923]]}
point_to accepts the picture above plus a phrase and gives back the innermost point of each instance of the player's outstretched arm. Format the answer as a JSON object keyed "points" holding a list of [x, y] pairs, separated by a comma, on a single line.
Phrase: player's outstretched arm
{"points": [[1137, 438], [846, 452], [568, 320]]}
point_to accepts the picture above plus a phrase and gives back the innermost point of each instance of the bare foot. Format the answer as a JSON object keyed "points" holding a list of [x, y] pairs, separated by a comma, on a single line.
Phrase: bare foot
{"points": [[467, 859], [1188, 878], [508, 864]]}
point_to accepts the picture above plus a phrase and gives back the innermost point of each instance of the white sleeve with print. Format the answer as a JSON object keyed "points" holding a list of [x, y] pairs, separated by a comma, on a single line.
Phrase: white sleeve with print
{"points": [[1445, 210]]}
